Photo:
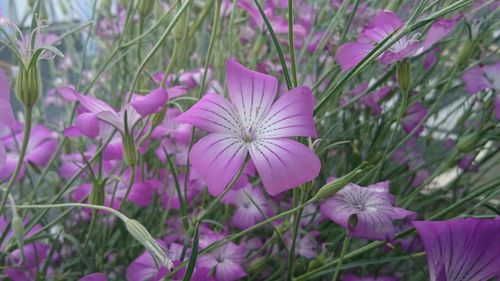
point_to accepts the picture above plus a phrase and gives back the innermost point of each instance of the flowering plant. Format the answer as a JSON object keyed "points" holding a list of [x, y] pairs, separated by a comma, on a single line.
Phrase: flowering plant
{"points": [[249, 140]]}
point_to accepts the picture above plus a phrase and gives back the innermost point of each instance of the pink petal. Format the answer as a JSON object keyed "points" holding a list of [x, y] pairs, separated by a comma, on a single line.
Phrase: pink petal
{"points": [[6, 115], [438, 30], [212, 113], [475, 80], [228, 271], [217, 158], [88, 124], [350, 54], [42, 153], [389, 57], [252, 93], [283, 163], [383, 24], [290, 116], [151, 103], [3, 156]]}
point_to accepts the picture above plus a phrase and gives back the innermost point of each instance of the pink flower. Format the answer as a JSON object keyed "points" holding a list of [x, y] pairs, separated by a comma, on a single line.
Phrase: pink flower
{"points": [[414, 114], [252, 124], [247, 213], [379, 28], [226, 261], [373, 207]]}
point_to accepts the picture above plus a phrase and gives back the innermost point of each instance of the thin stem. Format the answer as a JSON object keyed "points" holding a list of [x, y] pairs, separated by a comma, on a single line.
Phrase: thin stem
{"points": [[345, 246], [79, 205], [290, 42], [133, 170], [27, 132]]}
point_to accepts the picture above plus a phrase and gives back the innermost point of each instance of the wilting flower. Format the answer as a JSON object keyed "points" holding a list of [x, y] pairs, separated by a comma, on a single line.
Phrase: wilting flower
{"points": [[98, 276], [352, 277], [484, 77], [226, 262], [379, 28], [253, 124], [461, 249], [373, 206]]}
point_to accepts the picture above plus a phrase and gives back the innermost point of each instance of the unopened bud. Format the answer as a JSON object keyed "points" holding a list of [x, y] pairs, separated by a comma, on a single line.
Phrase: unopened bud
{"points": [[404, 76], [17, 227], [96, 196], [145, 7], [158, 117], [468, 142], [466, 52], [181, 28], [141, 234], [129, 151], [336, 185], [28, 86]]}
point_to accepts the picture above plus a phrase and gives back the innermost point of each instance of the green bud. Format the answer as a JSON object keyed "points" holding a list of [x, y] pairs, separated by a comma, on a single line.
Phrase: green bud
{"points": [[96, 196], [259, 264], [129, 151], [404, 76], [352, 221], [181, 28], [158, 117], [468, 142], [394, 5], [29, 85], [17, 226], [141, 234], [145, 7], [31, 3], [466, 52], [333, 187]]}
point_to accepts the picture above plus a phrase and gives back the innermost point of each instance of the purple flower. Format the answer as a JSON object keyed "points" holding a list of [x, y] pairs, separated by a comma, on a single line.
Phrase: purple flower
{"points": [[379, 28], [373, 206], [98, 276], [252, 124], [461, 249], [225, 261], [28, 269], [247, 213], [414, 114], [352, 277], [6, 116], [482, 77]]}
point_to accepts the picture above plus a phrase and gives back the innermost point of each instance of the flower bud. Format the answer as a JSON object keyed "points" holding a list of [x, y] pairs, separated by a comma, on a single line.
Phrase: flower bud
{"points": [[141, 234], [146, 7], [158, 117], [31, 3], [466, 52], [404, 76], [181, 27], [129, 151], [29, 85], [96, 196], [17, 226], [336, 185], [468, 142]]}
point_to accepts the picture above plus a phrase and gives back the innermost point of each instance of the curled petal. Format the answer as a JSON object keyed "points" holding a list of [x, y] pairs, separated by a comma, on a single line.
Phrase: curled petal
{"points": [[382, 25], [151, 103], [88, 124]]}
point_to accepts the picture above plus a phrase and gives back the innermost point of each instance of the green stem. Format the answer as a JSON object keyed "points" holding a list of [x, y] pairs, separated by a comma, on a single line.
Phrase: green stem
{"points": [[80, 205], [290, 42], [27, 132], [345, 246], [133, 170]]}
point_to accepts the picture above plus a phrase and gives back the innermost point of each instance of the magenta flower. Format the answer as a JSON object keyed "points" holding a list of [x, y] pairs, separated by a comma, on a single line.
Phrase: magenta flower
{"points": [[252, 124], [482, 78], [226, 262], [414, 114], [97, 111], [247, 213], [28, 269], [7, 120], [373, 207], [98, 276], [381, 26], [461, 249]]}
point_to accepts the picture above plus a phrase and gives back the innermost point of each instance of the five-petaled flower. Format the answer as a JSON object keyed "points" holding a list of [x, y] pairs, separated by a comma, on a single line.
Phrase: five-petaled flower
{"points": [[252, 124]]}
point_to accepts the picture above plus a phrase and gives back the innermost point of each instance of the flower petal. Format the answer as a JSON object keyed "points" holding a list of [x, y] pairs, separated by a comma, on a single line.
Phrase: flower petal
{"points": [[88, 124], [290, 116], [6, 115], [3, 156], [350, 54], [283, 163], [438, 30], [41, 154], [252, 93], [151, 103], [475, 80], [382, 25], [217, 158], [212, 113]]}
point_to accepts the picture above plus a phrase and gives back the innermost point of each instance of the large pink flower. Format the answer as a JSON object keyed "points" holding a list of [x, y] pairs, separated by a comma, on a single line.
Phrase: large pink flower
{"points": [[252, 123]]}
